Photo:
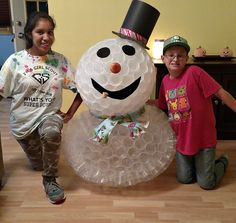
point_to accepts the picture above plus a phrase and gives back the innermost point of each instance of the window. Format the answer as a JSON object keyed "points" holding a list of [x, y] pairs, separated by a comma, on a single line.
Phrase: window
{"points": [[31, 6], [36, 5]]}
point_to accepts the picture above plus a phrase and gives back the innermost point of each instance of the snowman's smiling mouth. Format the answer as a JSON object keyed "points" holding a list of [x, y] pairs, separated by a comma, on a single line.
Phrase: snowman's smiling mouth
{"points": [[121, 94]]}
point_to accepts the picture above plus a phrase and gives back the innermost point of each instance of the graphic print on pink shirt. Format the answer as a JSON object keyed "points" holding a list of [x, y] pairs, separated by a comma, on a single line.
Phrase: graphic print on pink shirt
{"points": [[178, 105]]}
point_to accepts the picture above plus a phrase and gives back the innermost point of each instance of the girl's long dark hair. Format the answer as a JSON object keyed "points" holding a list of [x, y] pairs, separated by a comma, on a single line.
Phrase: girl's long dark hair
{"points": [[32, 22]]}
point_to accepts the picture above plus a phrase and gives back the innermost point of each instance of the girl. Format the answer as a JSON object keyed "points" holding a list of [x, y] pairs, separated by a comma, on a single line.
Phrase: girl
{"points": [[34, 79]]}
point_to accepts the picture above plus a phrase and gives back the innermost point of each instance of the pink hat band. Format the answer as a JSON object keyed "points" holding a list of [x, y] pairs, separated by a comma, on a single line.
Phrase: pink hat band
{"points": [[135, 36]]}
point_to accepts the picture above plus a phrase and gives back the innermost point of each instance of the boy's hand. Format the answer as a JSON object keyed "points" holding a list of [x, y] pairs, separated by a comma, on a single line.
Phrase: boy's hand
{"points": [[152, 102]]}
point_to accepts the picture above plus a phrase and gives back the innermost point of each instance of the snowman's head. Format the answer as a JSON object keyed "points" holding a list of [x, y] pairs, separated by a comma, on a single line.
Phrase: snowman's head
{"points": [[115, 77]]}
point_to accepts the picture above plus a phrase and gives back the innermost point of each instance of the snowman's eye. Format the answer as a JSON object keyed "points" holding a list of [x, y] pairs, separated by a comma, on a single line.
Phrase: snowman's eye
{"points": [[103, 52], [129, 50]]}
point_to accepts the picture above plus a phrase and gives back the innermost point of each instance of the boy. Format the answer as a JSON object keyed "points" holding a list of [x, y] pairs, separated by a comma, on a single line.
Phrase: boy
{"points": [[186, 92]]}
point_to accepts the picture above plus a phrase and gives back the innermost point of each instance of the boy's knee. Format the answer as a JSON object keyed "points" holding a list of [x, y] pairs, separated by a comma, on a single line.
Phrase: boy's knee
{"points": [[207, 184], [185, 179]]}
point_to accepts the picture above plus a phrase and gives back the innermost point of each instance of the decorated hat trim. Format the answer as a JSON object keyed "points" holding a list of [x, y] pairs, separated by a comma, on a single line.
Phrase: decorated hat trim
{"points": [[139, 22], [133, 35]]}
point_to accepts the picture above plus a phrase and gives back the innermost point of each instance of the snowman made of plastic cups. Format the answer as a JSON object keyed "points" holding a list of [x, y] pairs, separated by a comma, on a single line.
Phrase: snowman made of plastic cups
{"points": [[119, 141]]}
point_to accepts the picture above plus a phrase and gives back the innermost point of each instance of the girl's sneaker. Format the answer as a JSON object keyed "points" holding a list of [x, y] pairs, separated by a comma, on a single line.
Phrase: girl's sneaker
{"points": [[54, 191]]}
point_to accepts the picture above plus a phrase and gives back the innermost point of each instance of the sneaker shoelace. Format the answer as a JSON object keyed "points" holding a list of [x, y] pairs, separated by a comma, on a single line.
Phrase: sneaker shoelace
{"points": [[53, 187]]}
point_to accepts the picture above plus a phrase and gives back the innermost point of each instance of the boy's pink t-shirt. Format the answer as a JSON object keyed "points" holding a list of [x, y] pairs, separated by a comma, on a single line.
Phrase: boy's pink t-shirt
{"points": [[188, 99]]}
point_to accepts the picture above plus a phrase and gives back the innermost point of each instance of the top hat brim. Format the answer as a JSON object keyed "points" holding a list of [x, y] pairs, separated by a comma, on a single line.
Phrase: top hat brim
{"points": [[127, 37]]}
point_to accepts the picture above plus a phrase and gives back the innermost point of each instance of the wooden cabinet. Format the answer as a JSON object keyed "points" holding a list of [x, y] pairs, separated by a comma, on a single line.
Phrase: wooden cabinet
{"points": [[223, 72]]}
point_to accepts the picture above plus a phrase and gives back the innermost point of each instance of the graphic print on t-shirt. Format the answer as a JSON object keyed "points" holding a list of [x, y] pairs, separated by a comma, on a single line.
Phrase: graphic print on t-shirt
{"points": [[178, 105], [43, 95], [41, 77]]}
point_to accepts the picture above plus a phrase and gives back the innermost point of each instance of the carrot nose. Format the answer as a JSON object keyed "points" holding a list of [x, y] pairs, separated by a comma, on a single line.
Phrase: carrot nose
{"points": [[115, 68]]}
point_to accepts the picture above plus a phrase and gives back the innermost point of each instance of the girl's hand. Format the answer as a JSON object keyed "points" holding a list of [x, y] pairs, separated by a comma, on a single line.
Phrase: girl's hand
{"points": [[63, 115], [67, 118]]}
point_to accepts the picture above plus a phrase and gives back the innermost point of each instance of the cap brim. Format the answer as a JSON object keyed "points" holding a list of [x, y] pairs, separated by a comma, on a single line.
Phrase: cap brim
{"points": [[187, 47]]}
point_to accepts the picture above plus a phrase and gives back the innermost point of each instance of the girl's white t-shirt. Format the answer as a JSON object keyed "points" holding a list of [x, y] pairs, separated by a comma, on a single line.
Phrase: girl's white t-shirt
{"points": [[35, 85]]}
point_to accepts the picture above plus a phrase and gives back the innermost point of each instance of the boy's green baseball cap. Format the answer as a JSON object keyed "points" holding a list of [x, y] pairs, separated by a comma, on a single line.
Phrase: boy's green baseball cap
{"points": [[176, 41]]}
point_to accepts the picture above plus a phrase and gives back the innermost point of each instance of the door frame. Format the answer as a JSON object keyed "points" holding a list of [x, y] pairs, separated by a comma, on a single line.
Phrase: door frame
{"points": [[18, 17]]}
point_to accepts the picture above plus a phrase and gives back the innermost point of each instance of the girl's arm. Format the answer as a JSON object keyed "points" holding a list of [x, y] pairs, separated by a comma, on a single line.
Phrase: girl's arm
{"points": [[73, 108]]}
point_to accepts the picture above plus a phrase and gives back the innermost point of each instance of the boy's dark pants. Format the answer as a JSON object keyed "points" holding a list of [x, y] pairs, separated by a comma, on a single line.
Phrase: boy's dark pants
{"points": [[200, 167]]}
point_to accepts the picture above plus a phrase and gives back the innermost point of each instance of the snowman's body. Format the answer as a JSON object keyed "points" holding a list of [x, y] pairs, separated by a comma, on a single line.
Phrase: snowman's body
{"points": [[115, 77]]}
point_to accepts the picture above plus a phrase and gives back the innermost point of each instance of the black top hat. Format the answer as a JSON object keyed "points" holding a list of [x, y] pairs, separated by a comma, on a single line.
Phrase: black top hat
{"points": [[139, 22]]}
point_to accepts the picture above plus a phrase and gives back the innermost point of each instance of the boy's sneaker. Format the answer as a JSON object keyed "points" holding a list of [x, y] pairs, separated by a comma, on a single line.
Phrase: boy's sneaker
{"points": [[54, 191], [225, 160]]}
